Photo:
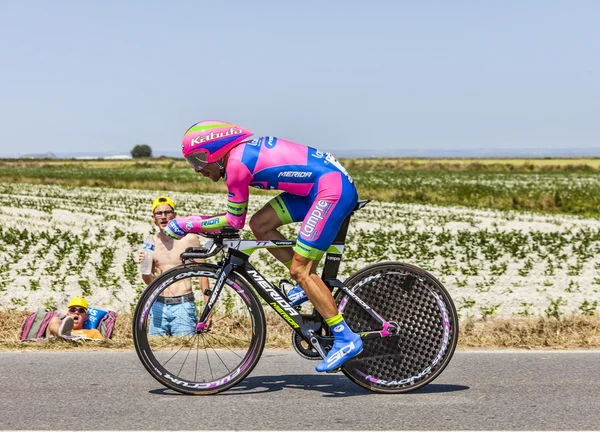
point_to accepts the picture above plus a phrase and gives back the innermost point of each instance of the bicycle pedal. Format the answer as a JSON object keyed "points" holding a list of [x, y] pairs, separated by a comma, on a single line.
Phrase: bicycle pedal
{"points": [[336, 370]]}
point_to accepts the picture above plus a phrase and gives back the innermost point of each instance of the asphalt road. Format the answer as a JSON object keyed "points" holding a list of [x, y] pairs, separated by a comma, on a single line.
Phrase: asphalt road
{"points": [[525, 390]]}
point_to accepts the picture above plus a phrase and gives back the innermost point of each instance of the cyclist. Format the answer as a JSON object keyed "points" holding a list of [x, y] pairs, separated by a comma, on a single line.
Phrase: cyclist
{"points": [[317, 190]]}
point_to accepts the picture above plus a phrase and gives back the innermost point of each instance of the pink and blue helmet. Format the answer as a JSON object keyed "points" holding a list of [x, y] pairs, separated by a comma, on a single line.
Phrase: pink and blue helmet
{"points": [[208, 141]]}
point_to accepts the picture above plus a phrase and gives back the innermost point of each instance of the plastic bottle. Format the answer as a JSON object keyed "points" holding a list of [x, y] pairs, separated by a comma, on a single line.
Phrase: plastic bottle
{"points": [[148, 249]]}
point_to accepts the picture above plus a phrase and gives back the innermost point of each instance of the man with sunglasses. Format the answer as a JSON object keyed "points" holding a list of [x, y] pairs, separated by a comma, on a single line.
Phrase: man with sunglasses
{"points": [[174, 312], [72, 323]]}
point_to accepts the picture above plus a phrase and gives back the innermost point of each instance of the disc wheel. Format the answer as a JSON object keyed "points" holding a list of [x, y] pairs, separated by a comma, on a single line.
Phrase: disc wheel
{"points": [[428, 327]]}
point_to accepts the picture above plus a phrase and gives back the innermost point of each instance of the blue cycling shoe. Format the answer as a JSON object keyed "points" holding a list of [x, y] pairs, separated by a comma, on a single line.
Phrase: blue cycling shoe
{"points": [[346, 345], [297, 296]]}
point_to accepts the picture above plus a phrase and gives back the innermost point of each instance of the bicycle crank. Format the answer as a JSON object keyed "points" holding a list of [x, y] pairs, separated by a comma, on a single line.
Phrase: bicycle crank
{"points": [[303, 348]]}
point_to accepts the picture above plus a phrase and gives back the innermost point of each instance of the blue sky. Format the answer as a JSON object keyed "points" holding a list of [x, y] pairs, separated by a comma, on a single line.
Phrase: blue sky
{"points": [[343, 76]]}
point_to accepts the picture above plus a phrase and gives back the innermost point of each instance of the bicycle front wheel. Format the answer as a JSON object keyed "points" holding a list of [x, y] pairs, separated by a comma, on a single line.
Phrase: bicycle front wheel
{"points": [[191, 362], [427, 320]]}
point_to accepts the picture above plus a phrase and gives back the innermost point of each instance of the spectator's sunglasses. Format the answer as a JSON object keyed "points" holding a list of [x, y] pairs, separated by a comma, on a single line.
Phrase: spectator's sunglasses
{"points": [[78, 309], [164, 213]]}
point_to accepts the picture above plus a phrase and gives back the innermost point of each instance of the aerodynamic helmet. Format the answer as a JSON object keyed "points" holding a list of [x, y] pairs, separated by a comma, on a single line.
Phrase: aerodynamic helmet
{"points": [[210, 140]]}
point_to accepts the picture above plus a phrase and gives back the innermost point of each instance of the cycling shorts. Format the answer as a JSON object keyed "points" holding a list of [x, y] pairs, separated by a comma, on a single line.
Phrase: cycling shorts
{"points": [[322, 212]]}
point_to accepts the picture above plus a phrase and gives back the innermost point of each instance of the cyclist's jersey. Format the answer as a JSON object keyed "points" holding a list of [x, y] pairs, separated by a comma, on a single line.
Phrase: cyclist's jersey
{"points": [[313, 183], [270, 163], [274, 163]]}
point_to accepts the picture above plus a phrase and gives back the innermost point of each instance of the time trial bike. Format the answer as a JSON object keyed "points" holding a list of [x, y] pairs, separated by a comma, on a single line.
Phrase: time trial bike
{"points": [[405, 317]]}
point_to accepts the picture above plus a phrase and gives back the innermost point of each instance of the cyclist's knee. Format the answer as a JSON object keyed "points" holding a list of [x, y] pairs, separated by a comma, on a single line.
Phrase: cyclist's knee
{"points": [[255, 225], [300, 271], [261, 223]]}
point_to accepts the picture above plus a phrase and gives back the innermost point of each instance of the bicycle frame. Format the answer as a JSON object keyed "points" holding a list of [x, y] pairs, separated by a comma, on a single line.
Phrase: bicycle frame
{"points": [[237, 260], [412, 333]]}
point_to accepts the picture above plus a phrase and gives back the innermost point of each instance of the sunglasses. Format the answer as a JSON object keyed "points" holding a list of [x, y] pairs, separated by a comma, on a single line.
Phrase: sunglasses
{"points": [[78, 309], [164, 213]]}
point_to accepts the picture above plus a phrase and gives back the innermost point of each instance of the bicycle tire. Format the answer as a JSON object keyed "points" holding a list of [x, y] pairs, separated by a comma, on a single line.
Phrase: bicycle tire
{"points": [[428, 327], [223, 364]]}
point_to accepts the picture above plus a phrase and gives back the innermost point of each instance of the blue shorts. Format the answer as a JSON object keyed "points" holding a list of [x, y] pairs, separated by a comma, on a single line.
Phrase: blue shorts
{"points": [[173, 319], [322, 212]]}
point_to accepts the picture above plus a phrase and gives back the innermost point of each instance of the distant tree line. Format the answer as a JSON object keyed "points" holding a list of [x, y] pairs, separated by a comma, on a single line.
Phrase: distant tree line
{"points": [[141, 151]]}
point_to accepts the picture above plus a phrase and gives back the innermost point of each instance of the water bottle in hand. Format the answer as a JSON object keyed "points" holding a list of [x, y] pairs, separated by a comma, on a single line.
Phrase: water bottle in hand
{"points": [[148, 249]]}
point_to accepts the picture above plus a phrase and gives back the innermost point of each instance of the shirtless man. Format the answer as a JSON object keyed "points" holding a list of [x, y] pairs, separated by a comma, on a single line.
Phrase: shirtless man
{"points": [[173, 313]]}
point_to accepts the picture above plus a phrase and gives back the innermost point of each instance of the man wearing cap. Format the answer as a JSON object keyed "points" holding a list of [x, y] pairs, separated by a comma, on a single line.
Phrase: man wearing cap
{"points": [[174, 312], [72, 323]]}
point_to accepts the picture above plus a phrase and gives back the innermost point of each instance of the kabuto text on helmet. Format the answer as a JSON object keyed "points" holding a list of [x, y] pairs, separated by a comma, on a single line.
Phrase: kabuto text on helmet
{"points": [[210, 140]]}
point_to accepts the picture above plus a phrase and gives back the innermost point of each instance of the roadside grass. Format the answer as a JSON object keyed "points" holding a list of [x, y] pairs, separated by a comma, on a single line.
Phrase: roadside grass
{"points": [[575, 332], [278, 335]]}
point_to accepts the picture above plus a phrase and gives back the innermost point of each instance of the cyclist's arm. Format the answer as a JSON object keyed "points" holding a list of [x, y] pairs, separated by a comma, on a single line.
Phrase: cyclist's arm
{"points": [[238, 191]]}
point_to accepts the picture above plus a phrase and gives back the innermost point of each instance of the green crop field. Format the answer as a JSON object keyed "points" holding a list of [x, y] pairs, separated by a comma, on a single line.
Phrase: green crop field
{"points": [[562, 186], [509, 244]]}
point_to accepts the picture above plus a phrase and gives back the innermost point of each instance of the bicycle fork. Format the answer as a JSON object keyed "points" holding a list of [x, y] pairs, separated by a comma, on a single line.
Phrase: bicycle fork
{"points": [[216, 291]]}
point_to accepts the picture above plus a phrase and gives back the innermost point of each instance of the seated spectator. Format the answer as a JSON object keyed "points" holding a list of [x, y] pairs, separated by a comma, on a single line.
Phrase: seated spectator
{"points": [[72, 323]]}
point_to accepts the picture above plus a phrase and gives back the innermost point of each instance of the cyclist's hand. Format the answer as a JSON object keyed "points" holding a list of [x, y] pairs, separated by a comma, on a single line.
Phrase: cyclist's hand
{"points": [[174, 230], [140, 257]]}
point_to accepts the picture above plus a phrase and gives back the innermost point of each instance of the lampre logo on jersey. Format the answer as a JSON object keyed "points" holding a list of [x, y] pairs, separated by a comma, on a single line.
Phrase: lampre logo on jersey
{"points": [[309, 228]]}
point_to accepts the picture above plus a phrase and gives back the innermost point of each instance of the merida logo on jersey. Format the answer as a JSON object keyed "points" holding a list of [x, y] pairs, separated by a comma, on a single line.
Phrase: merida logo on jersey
{"points": [[321, 210], [295, 174], [213, 136]]}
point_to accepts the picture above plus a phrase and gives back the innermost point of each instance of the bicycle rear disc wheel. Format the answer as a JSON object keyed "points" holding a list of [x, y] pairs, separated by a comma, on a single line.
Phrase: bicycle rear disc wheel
{"points": [[427, 334], [179, 357]]}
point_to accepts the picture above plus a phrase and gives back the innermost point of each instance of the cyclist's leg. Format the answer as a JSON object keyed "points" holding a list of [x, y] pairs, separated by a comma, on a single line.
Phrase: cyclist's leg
{"points": [[336, 197], [320, 296], [346, 344]]}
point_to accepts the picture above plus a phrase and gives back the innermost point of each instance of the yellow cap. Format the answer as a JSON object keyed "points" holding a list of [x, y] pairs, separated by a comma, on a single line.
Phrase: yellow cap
{"points": [[162, 200], [78, 301]]}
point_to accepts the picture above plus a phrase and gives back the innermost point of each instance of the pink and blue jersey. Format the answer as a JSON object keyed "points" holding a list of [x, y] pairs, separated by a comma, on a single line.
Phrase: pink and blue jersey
{"points": [[316, 190]]}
